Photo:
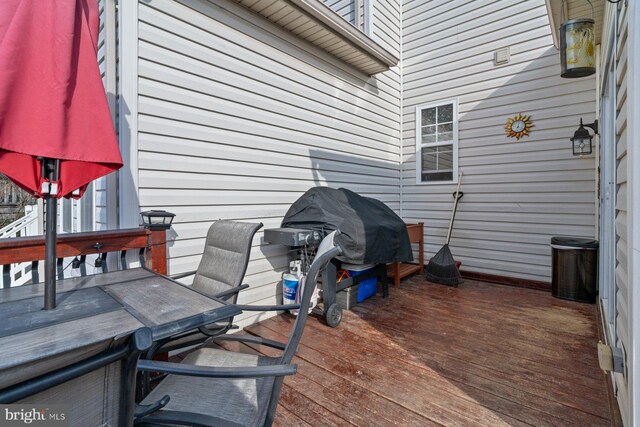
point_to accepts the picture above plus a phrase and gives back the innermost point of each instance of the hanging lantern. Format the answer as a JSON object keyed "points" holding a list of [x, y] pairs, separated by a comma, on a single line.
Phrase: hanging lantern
{"points": [[577, 47], [581, 141]]}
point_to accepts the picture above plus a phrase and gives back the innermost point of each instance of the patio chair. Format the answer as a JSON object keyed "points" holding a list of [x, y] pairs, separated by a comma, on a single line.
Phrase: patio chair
{"points": [[224, 388], [220, 273]]}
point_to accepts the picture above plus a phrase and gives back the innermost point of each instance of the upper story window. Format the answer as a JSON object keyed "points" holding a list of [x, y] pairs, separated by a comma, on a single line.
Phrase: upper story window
{"points": [[437, 142], [355, 12]]}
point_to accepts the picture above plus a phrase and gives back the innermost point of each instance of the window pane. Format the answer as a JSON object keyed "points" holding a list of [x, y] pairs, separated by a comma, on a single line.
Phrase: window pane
{"points": [[445, 128], [428, 130], [437, 158], [428, 134], [437, 176], [445, 113], [429, 159], [437, 163], [446, 159], [445, 132], [429, 116]]}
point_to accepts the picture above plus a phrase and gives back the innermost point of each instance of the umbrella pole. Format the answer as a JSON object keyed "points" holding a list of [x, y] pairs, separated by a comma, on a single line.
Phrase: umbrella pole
{"points": [[50, 236]]}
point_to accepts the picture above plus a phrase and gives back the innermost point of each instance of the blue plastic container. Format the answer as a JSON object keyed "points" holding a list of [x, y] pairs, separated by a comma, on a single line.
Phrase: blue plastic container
{"points": [[368, 287]]}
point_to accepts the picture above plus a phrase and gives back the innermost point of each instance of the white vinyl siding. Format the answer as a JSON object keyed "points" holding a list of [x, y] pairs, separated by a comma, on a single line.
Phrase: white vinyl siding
{"points": [[238, 118], [584, 9], [437, 142], [518, 194], [623, 323], [100, 212], [99, 216], [385, 26]]}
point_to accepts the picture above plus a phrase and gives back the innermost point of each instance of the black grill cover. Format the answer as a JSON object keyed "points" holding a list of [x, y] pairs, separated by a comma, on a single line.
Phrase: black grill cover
{"points": [[371, 233]]}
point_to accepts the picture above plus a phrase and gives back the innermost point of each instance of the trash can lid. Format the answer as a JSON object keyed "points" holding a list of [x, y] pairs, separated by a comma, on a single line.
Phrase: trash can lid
{"points": [[574, 242]]}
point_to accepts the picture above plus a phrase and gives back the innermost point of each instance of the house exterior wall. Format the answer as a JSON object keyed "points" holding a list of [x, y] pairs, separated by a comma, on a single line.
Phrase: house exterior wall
{"points": [[237, 119], [627, 326], [103, 190], [100, 185], [517, 194], [622, 210], [633, 206]]}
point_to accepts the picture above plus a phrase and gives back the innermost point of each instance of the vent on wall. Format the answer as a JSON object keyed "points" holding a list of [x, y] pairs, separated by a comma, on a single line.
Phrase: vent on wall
{"points": [[501, 56]]}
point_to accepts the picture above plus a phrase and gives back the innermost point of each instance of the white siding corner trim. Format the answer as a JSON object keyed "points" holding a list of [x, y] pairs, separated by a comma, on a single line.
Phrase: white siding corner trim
{"points": [[420, 144], [129, 209], [633, 172]]}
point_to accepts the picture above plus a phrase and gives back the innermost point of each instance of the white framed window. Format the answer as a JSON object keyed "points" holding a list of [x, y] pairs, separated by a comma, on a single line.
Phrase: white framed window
{"points": [[358, 13], [437, 142]]}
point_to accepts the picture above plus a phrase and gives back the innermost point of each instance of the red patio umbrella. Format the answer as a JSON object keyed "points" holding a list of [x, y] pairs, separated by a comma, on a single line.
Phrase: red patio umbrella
{"points": [[56, 133]]}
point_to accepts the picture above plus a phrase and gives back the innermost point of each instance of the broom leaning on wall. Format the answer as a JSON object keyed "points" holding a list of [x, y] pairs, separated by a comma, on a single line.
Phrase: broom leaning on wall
{"points": [[442, 267]]}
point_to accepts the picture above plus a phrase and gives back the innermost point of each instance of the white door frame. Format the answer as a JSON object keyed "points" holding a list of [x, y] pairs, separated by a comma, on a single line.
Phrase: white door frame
{"points": [[607, 261]]}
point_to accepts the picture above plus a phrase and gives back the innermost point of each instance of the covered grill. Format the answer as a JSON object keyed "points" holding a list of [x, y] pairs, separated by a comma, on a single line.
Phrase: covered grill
{"points": [[369, 233]]}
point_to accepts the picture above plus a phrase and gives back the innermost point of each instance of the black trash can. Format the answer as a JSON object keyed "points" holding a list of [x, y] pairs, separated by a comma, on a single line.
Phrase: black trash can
{"points": [[574, 268]]}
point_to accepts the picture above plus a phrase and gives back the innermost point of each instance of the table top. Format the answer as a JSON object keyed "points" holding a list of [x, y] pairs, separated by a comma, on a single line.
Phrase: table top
{"points": [[94, 312]]}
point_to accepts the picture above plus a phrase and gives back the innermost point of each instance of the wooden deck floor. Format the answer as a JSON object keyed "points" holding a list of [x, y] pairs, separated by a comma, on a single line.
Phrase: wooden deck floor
{"points": [[480, 354]]}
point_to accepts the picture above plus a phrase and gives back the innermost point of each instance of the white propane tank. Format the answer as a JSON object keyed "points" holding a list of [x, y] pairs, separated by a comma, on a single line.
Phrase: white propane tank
{"points": [[314, 299], [290, 287]]}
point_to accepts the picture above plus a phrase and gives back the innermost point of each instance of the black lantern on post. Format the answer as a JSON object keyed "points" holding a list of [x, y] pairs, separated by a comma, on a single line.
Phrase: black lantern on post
{"points": [[577, 46], [157, 219], [581, 140]]}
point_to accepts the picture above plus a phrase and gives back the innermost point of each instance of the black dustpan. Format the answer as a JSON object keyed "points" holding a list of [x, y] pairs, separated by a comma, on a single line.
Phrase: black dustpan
{"points": [[442, 267]]}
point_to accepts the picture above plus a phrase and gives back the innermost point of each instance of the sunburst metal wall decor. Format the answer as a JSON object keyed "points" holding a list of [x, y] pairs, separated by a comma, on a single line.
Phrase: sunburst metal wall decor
{"points": [[518, 126]]}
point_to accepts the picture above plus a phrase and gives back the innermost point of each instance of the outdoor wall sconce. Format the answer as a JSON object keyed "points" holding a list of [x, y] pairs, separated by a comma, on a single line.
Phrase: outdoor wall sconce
{"points": [[157, 219], [581, 140], [577, 46]]}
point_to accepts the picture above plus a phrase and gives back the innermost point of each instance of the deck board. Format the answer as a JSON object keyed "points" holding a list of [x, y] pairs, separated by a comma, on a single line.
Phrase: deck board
{"points": [[479, 354]]}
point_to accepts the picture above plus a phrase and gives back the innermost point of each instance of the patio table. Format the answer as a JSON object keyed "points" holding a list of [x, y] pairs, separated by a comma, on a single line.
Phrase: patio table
{"points": [[95, 314]]}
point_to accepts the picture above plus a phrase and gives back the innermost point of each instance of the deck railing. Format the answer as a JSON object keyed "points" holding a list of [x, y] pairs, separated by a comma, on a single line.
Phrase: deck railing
{"points": [[24, 226], [149, 245]]}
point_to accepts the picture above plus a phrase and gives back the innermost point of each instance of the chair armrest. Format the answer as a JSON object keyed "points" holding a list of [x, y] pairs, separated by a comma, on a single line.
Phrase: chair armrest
{"points": [[215, 332], [251, 339], [230, 292], [183, 275], [165, 418], [268, 307], [193, 322], [144, 410], [216, 372]]}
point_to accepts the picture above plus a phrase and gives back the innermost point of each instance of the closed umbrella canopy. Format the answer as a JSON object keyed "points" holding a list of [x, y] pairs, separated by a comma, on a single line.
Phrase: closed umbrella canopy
{"points": [[52, 101], [56, 133]]}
